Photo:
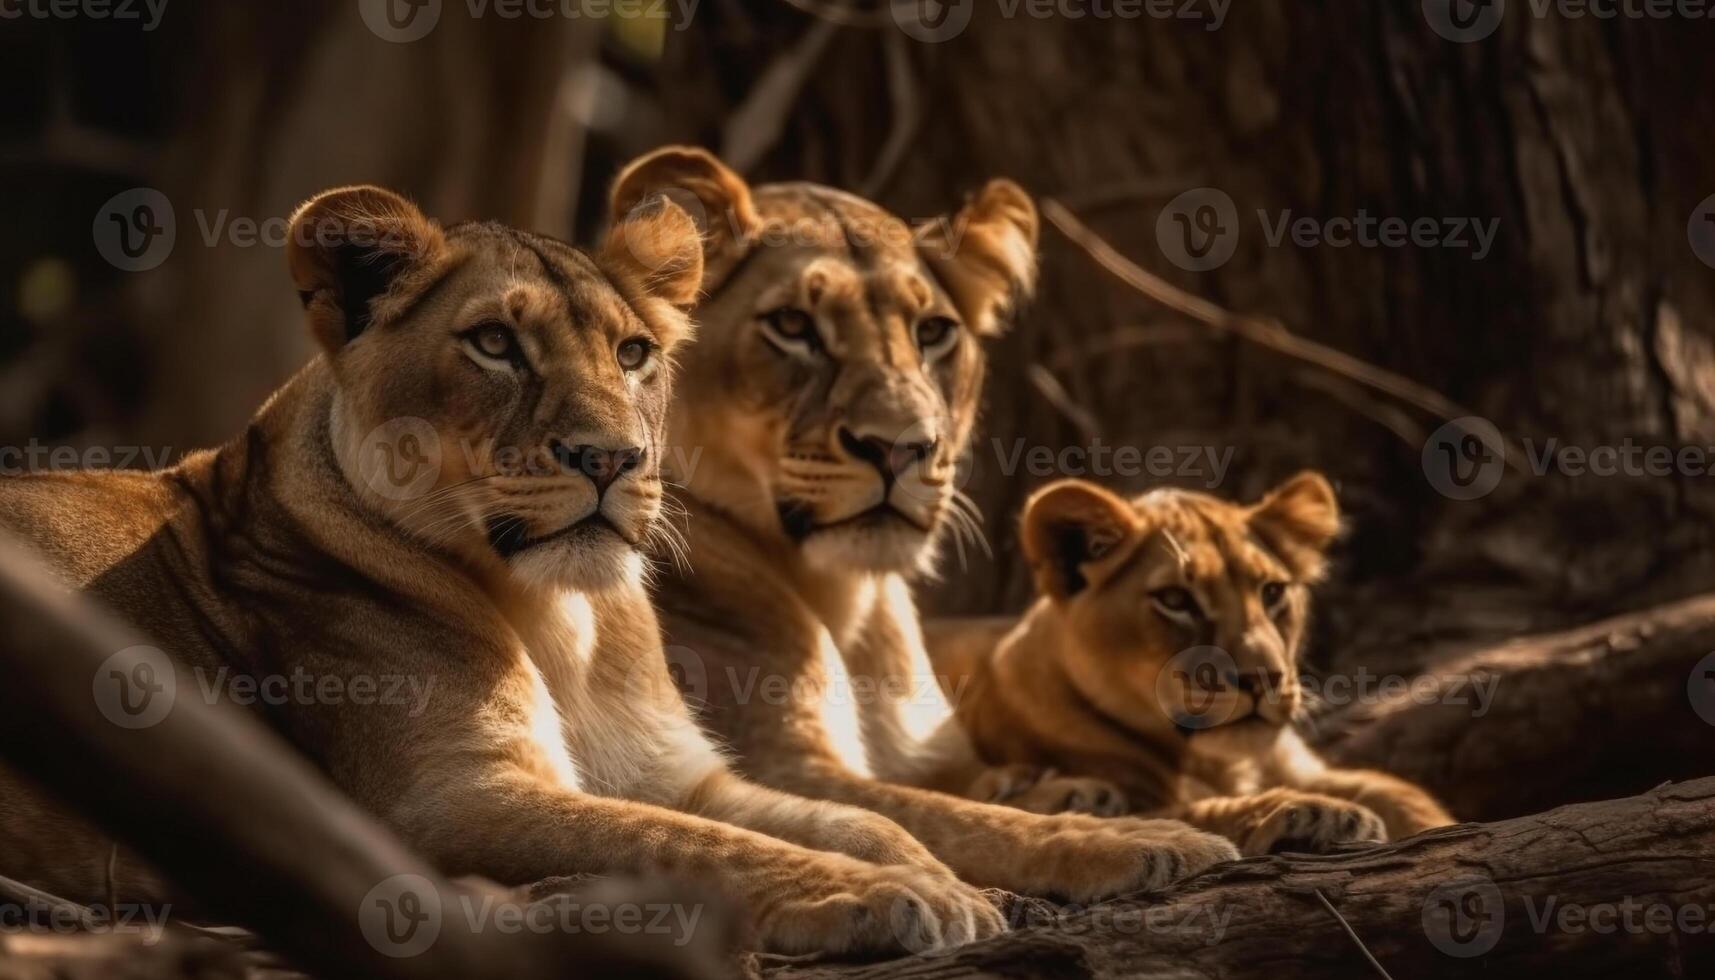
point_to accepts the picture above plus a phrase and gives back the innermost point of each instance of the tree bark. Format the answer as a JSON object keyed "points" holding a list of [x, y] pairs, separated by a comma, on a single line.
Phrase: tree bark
{"points": [[1620, 888]]}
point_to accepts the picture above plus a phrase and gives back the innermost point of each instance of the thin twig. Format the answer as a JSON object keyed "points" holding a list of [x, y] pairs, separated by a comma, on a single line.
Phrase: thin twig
{"points": [[907, 114], [755, 126], [1348, 927], [1263, 331], [1060, 398]]}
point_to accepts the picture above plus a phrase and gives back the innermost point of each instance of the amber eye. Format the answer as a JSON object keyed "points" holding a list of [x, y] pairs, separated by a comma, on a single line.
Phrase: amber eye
{"points": [[791, 329], [1273, 593], [1175, 601], [494, 340], [634, 353], [936, 333]]}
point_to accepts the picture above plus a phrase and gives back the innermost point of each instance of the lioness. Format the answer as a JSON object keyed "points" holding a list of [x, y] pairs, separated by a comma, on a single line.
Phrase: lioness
{"points": [[1160, 668], [457, 491], [834, 381]]}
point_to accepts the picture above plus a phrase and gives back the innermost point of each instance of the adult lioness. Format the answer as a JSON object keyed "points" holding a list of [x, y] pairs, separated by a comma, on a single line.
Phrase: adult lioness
{"points": [[455, 493], [1162, 659], [834, 381]]}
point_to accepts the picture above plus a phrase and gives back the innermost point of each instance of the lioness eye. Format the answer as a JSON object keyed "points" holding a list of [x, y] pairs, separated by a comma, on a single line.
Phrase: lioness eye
{"points": [[935, 332], [1174, 599], [494, 340], [634, 353], [790, 328], [1273, 593]]}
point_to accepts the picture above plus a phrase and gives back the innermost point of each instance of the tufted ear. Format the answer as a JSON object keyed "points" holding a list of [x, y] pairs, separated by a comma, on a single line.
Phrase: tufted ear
{"points": [[985, 255], [1299, 520], [716, 199], [1074, 533], [349, 250], [655, 249]]}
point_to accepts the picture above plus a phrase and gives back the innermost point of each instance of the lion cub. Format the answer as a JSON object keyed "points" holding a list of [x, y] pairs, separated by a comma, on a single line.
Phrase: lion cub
{"points": [[1158, 671]]}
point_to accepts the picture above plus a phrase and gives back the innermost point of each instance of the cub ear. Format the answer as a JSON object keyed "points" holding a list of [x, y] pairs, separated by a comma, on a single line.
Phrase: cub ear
{"points": [[348, 248], [716, 199], [1074, 532], [1299, 519], [985, 255], [657, 252]]}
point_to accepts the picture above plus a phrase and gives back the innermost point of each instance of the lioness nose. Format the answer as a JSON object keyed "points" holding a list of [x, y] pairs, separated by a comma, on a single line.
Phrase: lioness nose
{"points": [[602, 466], [890, 457], [1255, 682]]}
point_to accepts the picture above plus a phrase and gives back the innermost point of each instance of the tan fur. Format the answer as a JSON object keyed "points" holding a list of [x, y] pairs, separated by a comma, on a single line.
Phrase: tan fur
{"points": [[795, 623], [552, 740], [1107, 697]]}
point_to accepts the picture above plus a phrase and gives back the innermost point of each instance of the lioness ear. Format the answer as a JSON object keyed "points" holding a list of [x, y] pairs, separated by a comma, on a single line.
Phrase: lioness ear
{"points": [[1299, 519], [717, 200], [985, 255], [657, 252], [1074, 531], [347, 250]]}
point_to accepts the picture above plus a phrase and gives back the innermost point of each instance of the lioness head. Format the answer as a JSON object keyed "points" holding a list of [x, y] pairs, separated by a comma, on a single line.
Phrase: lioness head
{"points": [[499, 394], [837, 372], [1181, 611]]}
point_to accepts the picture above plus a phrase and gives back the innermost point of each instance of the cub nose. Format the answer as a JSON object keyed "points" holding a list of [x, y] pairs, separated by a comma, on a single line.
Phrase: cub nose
{"points": [[602, 466], [891, 458]]}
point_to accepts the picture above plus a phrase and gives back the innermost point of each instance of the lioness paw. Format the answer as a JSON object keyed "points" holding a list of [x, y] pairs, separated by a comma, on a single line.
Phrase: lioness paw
{"points": [[1101, 859], [1308, 822], [869, 910], [1040, 790]]}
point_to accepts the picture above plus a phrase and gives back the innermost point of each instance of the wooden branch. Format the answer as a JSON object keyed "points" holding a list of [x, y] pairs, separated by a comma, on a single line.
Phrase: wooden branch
{"points": [[1621, 888], [230, 813], [1602, 710]]}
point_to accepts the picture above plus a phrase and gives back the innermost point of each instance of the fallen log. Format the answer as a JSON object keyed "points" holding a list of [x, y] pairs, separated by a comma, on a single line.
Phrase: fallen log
{"points": [[1618, 888], [1603, 710]]}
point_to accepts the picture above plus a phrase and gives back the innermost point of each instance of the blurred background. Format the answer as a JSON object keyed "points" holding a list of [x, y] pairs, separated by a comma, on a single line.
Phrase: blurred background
{"points": [[1562, 160]]}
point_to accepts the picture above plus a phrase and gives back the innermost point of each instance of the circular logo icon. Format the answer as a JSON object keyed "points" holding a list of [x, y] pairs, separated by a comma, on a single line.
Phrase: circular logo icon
{"points": [[922, 470], [1464, 918], [1464, 21], [1191, 688], [1199, 229], [400, 21], [134, 231], [1464, 459], [135, 687], [1702, 231], [401, 916], [690, 676], [1700, 688], [931, 21], [401, 458]]}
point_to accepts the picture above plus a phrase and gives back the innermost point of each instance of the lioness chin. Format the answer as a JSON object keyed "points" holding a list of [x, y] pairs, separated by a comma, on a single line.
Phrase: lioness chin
{"points": [[815, 432], [456, 492], [1158, 672]]}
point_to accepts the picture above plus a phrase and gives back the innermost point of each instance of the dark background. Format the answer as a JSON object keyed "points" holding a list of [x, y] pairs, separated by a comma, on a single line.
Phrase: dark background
{"points": [[1591, 321]]}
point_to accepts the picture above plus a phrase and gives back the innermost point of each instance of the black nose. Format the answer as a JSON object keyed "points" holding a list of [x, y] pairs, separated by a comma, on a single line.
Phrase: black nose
{"points": [[602, 466], [889, 458]]}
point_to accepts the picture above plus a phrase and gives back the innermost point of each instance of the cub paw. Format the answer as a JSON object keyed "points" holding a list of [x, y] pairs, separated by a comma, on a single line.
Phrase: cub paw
{"points": [[1309, 822], [1087, 860], [1039, 790], [861, 909]]}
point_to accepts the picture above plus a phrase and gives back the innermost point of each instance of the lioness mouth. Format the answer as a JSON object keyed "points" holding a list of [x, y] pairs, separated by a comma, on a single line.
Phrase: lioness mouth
{"points": [[800, 523], [508, 534]]}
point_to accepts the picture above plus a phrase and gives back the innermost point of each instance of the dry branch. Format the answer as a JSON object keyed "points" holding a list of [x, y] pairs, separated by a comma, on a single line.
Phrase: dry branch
{"points": [[1620, 888]]}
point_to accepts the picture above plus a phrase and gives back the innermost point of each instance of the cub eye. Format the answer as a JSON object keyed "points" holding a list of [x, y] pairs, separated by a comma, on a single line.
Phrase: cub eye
{"points": [[1273, 593], [1175, 601], [791, 328], [494, 341], [936, 333], [634, 353]]}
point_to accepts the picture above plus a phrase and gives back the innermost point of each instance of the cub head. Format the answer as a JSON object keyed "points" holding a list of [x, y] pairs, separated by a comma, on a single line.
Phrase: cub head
{"points": [[499, 394], [1178, 612], [837, 372]]}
